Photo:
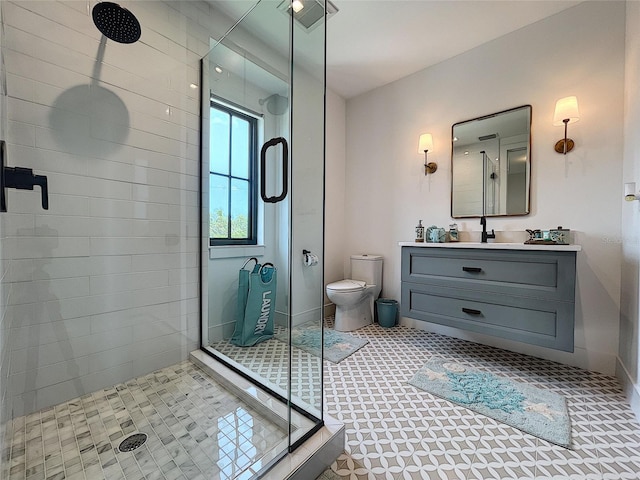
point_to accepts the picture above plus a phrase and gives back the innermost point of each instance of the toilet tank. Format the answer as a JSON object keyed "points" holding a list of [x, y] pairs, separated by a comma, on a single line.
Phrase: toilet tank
{"points": [[367, 268]]}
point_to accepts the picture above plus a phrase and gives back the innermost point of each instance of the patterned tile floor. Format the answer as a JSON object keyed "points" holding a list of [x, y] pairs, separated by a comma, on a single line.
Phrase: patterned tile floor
{"points": [[196, 431], [269, 361], [395, 431]]}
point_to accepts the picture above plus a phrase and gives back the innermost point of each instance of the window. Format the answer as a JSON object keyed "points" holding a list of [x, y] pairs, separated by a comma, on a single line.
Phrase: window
{"points": [[232, 177]]}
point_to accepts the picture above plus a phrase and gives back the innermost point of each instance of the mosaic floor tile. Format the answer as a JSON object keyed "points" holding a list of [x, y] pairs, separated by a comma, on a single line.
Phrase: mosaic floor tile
{"points": [[196, 430]]}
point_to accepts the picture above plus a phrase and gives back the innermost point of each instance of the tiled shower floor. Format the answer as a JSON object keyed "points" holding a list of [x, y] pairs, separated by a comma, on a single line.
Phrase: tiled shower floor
{"points": [[197, 430]]}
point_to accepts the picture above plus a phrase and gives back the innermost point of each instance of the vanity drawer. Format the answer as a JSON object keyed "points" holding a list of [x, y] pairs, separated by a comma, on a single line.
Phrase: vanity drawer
{"points": [[548, 275], [538, 322]]}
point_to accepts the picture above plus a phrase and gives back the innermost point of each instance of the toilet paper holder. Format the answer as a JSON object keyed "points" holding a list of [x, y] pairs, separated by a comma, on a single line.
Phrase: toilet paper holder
{"points": [[309, 259]]}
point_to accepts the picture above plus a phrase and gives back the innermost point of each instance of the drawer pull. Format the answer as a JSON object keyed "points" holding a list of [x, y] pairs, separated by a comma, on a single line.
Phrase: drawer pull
{"points": [[471, 311], [472, 269]]}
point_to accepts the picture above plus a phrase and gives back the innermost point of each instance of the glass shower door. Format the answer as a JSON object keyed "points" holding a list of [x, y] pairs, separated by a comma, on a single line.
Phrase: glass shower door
{"points": [[263, 187], [5, 411], [307, 204]]}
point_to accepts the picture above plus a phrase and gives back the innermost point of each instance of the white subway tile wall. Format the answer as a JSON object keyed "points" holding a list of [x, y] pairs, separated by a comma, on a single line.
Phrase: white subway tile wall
{"points": [[103, 286]]}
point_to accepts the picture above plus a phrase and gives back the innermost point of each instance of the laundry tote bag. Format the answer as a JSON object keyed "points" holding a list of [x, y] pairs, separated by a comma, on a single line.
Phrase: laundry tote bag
{"points": [[256, 304]]}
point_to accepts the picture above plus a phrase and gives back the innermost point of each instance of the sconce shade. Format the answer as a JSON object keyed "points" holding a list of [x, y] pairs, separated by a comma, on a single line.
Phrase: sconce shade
{"points": [[566, 108], [425, 143]]}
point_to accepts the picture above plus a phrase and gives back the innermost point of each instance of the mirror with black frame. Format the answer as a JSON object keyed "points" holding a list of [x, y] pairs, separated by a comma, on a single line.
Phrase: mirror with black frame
{"points": [[491, 165]]}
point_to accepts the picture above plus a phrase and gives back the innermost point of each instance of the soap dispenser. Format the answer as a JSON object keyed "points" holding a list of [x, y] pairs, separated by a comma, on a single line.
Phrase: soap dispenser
{"points": [[419, 232], [453, 232]]}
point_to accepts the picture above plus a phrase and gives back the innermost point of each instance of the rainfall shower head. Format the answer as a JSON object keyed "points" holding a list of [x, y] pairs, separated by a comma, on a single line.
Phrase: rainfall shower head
{"points": [[116, 22], [276, 104]]}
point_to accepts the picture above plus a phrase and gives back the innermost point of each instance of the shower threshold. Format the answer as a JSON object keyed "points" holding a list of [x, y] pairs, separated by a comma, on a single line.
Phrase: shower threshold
{"points": [[310, 459]]}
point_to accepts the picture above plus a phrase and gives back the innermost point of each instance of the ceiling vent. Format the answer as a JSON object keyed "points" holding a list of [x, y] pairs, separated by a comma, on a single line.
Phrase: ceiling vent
{"points": [[310, 16]]}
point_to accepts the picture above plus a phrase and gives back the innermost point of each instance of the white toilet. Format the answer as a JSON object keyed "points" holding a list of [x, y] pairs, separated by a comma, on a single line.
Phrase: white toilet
{"points": [[354, 298]]}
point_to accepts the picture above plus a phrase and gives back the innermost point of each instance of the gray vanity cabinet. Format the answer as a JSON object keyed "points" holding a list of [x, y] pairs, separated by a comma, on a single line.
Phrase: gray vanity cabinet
{"points": [[527, 296]]}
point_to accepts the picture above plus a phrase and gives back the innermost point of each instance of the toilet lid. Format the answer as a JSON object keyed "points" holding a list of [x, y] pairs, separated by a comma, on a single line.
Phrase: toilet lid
{"points": [[347, 286]]}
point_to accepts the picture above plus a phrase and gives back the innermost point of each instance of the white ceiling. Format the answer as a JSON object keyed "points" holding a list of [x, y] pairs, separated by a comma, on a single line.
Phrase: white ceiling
{"points": [[373, 42]]}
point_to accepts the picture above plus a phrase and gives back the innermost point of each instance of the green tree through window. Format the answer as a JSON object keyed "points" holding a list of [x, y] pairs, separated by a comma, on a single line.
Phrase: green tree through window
{"points": [[232, 177]]}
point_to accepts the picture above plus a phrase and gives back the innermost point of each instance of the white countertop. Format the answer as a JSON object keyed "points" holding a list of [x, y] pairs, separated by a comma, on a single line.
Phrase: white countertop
{"points": [[494, 246]]}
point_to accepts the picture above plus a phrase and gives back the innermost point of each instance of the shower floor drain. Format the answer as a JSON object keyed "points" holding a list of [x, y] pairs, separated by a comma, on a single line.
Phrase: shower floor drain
{"points": [[132, 442]]}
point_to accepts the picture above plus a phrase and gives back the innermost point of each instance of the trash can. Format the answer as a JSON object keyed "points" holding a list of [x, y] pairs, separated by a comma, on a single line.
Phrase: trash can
{"points": [[387, 310]]}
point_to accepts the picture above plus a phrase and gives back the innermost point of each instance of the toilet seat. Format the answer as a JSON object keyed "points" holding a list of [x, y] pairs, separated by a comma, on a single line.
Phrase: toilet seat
{"points": [[345, 286]]}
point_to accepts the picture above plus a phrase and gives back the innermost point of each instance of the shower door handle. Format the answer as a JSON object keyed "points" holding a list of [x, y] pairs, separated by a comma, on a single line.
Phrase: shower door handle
{"points": [[285, 170]]}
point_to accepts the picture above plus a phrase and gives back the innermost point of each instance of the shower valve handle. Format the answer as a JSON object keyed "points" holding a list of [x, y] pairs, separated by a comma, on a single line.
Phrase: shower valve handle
{"points": [[23, 179], [20, 178]]}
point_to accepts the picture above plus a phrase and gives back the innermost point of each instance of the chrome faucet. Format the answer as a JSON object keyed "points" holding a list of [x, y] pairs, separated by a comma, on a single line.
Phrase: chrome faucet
{"points": [[485, 234]]}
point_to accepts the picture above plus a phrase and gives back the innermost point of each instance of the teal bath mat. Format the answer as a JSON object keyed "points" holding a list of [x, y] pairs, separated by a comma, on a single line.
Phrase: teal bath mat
{"points": [[535, 411], [337, 345]]}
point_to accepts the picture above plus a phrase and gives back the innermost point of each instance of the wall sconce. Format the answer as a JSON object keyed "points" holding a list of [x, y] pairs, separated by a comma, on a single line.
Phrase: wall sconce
{"points": [[424, 145], [630, 192], [566, 112]]}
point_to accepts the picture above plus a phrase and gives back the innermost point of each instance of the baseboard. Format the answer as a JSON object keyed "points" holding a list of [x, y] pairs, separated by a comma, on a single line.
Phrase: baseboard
{"points": [[329, 309], [631, 389], [300, 318]]}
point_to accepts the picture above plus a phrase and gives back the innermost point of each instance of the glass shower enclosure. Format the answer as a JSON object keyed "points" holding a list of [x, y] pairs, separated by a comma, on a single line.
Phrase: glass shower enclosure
{"points": [[263, 141], [104, 284]]}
